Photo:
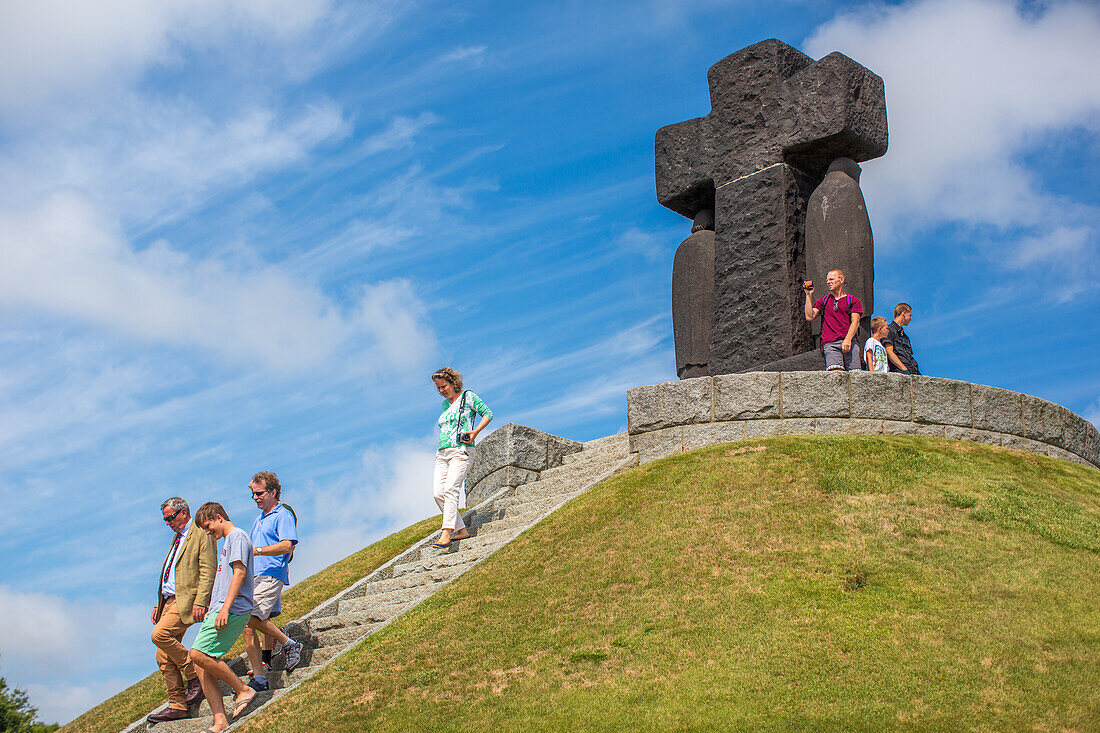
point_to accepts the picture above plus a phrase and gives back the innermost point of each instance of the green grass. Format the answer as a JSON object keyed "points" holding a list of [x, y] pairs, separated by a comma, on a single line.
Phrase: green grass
{"points": [[137, 700], [821, 583]]}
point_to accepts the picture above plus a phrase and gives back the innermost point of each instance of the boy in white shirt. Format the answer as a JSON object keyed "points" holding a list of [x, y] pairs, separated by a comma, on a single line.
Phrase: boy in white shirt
{"points": [[874, 353], [230, 609]]}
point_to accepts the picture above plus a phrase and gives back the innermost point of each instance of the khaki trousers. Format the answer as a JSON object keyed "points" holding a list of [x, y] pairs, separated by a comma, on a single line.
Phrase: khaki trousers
{"points": [[172, 657]]}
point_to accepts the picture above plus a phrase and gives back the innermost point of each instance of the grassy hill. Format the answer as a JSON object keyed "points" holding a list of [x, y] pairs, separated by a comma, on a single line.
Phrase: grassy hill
{"points": [[827, 583], [137, 700]]}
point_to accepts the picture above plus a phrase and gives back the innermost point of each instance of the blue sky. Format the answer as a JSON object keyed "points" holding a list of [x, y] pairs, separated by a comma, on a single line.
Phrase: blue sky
{"points": [[238, 236]]}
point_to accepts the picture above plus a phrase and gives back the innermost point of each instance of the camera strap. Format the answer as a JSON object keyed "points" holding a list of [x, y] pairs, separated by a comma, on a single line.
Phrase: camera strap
{"points": [[458, 420]]}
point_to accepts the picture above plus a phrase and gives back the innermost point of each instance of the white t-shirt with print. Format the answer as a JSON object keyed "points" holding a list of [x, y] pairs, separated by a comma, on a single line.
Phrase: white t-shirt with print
{"points": [[878, 355]]}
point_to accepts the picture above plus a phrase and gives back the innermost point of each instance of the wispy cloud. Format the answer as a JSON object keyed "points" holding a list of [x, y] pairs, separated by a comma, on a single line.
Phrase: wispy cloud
{"points": [[474, 55]]}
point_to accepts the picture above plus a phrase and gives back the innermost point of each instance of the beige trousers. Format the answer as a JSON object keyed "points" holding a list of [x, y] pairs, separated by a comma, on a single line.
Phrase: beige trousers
{"points": [[172, 657]]}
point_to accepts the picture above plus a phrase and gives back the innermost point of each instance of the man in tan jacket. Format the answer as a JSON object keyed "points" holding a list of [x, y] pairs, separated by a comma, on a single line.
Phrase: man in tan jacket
{"points": [[183, 595]]}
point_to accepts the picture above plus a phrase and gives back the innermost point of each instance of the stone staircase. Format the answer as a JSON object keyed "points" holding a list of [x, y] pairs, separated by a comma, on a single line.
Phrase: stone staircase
{"points": [[341, 622]]}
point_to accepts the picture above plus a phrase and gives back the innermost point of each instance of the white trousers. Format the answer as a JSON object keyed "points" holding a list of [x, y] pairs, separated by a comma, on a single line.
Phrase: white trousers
{"points": [[451, 465]]}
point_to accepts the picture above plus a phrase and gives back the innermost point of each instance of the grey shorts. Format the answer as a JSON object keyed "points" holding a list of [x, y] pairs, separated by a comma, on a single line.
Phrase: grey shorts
{"points": [[835, 358], [267, 595]]}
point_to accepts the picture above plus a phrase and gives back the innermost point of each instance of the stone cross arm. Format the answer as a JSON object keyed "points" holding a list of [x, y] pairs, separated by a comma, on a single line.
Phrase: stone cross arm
{"points": [[770, 104]]}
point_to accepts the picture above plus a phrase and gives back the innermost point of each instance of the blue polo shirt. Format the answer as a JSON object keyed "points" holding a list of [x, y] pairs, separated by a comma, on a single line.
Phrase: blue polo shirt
{"points": [[268, 529]]}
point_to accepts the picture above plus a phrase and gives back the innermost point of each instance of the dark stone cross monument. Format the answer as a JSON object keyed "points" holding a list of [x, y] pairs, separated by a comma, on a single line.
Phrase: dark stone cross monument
{"points": [[782, 138]]}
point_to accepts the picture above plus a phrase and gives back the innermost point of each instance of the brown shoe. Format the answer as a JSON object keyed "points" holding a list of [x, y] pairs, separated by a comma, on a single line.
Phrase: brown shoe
{"points": [[168, 714], [194, 692]]}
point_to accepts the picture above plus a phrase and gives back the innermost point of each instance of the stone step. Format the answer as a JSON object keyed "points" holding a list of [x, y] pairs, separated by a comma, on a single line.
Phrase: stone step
{"points": [[478, 540], [618, 448], [343, 636], [316, 656], [377, 600], [514, 524], [580, 471], [412, 580], [511, 505], [365, 617], [620, 440], [277, 679], [366, 604], [453, 559], [204, 718]]}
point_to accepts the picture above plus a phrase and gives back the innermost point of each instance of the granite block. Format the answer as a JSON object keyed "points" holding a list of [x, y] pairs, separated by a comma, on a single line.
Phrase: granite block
{"points": [[847, 426], [668, 404], [657, 443], [814, 394], [698, 436], [941, 401], [901, 427], [1042, 420], [970, 434], [996, 409], [749, 396], [881, 396]]}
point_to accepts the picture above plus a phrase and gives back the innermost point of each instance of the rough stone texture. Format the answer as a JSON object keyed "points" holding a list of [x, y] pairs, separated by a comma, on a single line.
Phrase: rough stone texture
{"points": [[1042, 420], [881, 396], [763, 428], [997, 409], [838, 236], [942, 401], [746, 396], [558, 448], [797, 426], [1075, 433], [896, 427], [1027, 444], [518, 447], [509, 445], [815, 394], [698, 436], [495, 481], [668, 403], [657, 444], [1092, 446], [693, 302], [807, 361], [845, 426], [972, 435], [758, 302], [777, 120]]}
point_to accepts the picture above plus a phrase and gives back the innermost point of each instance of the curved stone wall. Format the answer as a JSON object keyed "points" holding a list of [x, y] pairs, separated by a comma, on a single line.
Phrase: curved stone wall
{"points": [[675, 416]]}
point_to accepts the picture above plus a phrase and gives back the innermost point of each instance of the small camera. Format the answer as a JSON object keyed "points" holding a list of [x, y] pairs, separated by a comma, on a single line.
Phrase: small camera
{"points": [[809, 285], [465, 438]]}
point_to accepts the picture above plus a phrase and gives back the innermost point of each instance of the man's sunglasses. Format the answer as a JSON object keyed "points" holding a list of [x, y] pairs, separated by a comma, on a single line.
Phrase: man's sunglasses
{"points": [[172, 517]]}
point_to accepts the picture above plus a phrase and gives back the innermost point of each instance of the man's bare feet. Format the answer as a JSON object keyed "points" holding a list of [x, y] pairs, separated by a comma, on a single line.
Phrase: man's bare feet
{"points": [[462, 534], [445, 537]]}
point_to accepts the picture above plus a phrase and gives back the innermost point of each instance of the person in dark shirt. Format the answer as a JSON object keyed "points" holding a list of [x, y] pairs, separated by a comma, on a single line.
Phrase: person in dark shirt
{"points": [[899, 352]]}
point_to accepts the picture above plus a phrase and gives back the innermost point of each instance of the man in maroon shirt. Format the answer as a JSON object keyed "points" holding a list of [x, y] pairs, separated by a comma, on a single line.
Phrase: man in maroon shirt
{"points": [[840, 314]]}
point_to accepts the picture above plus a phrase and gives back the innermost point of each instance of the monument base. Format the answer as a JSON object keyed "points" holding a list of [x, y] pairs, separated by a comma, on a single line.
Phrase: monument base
{"points": [[671, 417]]}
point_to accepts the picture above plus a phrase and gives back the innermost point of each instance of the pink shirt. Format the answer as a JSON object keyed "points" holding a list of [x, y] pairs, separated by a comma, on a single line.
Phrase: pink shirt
{"points": [[836, 316]]}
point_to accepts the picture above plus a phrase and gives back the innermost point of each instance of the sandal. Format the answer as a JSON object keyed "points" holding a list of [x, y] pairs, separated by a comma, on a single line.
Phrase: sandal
{"points": [[240, 706]]}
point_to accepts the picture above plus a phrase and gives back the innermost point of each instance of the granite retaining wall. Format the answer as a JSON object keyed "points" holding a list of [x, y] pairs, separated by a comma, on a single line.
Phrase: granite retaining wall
{"points": [[676, 416]]}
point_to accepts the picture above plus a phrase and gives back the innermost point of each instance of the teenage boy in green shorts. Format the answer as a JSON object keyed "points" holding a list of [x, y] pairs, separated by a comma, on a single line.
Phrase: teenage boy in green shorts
{"points": [[230, 609]]}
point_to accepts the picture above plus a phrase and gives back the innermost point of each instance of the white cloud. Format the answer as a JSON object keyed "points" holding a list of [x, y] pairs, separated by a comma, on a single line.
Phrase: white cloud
{"points": [[392, 489], [66, 259], [399, 134], [51, 48], [474, 55], [970, 86], [44, 638]]}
